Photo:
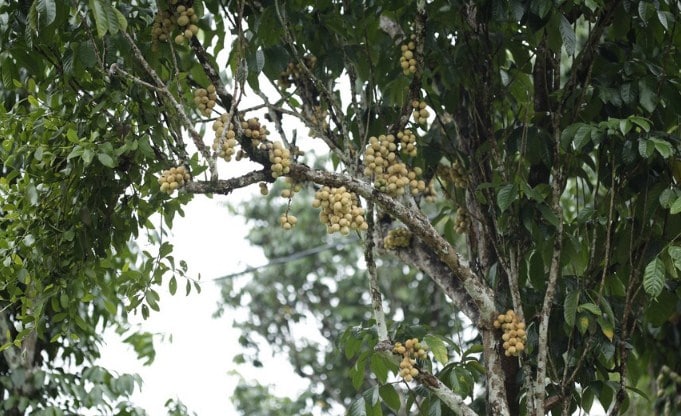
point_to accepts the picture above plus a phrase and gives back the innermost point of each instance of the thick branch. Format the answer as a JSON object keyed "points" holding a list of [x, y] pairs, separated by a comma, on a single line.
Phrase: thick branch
{"points": [[420, 226], [422, 257], [497, 400], [225, 187], [445, 394], [554, 273], [376, 297], [11, 357]]}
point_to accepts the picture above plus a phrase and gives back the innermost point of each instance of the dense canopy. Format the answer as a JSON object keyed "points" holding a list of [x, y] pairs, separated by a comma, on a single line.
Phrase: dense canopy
{"points": [[491, 227]]}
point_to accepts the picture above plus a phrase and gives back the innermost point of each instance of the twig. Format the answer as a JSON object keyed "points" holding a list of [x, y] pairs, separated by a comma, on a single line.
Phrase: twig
{"points": [[162, 88]]}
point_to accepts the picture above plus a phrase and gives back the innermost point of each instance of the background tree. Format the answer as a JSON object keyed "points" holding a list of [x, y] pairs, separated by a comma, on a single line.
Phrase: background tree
{"points": [[519, 158]]}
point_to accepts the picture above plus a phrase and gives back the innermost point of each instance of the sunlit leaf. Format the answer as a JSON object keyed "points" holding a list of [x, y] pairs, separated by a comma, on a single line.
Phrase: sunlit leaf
{"points": [[437, 347]]}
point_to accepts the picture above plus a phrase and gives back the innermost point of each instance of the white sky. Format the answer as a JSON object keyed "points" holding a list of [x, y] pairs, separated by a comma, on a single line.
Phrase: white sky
{"points": [[195, 366]]}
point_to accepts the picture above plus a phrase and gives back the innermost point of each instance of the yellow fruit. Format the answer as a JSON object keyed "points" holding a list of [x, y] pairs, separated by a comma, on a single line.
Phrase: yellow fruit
{"points": [[183, 20]]}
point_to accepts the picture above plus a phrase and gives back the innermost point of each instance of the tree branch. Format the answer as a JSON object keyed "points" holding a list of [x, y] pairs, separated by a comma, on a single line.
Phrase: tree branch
{"points": [[420, 256], [420, 226], [196, 137], [376, 297], [554, 273], [445, 394], [225, 187]]}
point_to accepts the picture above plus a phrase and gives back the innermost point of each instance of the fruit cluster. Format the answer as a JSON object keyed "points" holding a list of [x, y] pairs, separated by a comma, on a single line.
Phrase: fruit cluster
{"points": [[162, 27], [421, 113], [514, 335], [180, 16], [293, 71], [280, 158], [225, 141], [288, 221], [668, 372], [317, 119], [173, 178], [408, 142], [397, 238], [254, 131], [185, 17], [410, 352], [407, 60], [292, 189], [462, 221], [390, 174], [457, 175], [205, 99], [340, 210]]}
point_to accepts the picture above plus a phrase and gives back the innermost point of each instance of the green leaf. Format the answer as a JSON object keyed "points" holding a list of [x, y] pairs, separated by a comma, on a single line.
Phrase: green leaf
{"points": [[378, 367], [589, 307], [606, 327], [172, 285], [654, 277], [49, 10], [506, 195], [676, 206], [663, 147], [259, 61], [646, 148], [122, 21], [647, 95], [437, 346], [628, 92], [570, 308], [662, 17], [357, 408], [643, 123], [357, 374], [32, 194], [567, 34], [106, 160], [165, 249], [371, 396], [582, 136], [390, 397], [675, 254], [99, 12], [582, 323]]}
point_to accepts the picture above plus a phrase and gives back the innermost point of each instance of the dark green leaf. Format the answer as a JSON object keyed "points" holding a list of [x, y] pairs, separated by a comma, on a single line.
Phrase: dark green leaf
{"points": [[506, 195], [654, 278], [570, 308]]}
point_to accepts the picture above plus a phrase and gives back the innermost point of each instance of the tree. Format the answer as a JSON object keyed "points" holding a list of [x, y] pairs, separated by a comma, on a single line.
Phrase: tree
{"points": [[521, 156]]}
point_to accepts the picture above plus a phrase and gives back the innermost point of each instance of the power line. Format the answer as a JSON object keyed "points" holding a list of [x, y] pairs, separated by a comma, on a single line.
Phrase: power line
{"points": [[292, 257]]}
